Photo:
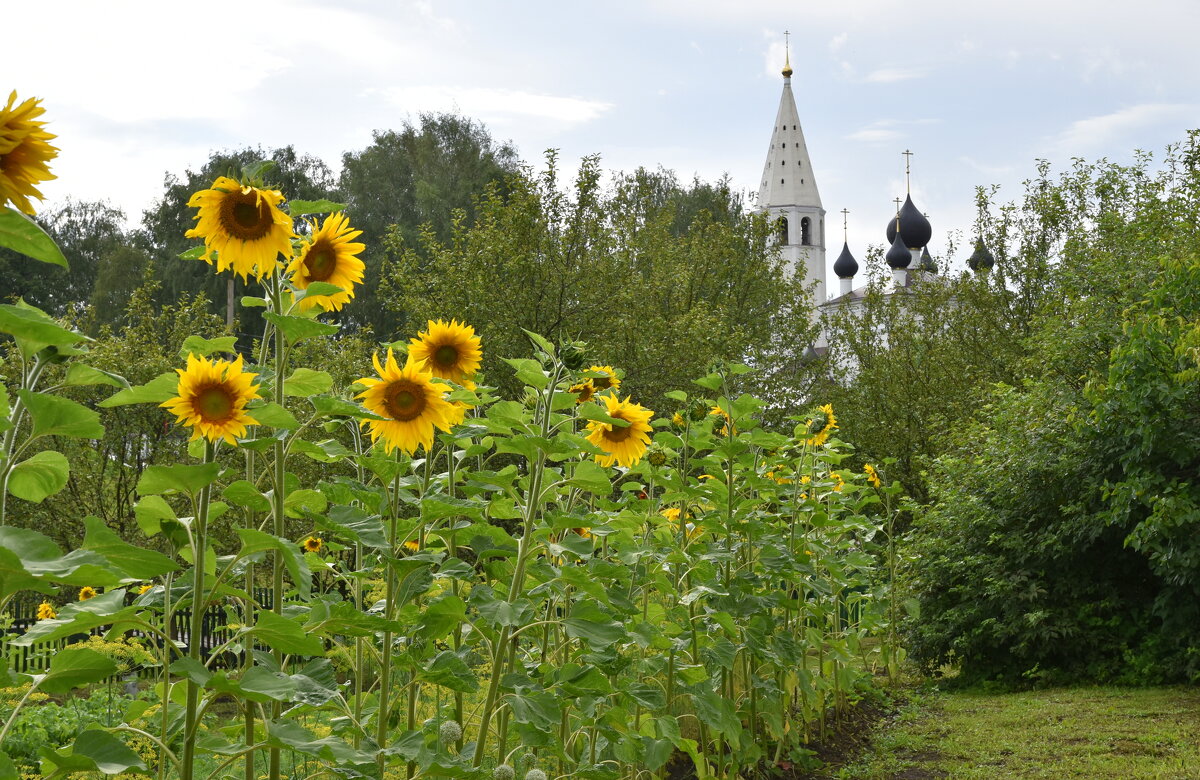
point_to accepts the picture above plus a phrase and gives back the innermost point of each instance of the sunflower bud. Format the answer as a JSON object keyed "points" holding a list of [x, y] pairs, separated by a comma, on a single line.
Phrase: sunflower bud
{"points": [[657, 456], [450, 732], [698, 411], [574, 354], [504, 772]]}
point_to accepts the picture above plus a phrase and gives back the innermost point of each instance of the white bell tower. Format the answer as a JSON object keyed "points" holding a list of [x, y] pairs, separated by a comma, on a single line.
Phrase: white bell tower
{"points": [[789, 191]]}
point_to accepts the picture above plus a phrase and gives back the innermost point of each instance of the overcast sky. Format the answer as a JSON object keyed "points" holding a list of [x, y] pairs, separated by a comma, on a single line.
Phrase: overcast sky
{"points": [[978, 91]]}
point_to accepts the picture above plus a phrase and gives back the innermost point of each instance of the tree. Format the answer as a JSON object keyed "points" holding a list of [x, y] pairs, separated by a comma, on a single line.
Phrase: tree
{"points": [[86, 232], [605, 266], [415, 179]]}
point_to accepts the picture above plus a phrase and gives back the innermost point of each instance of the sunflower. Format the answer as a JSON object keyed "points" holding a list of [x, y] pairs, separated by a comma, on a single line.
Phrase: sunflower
{"points": [[448, 350], [717, 411], [24, 152], [329, 256], [412, 545], [604, 378], [411, 403], [312, 544], [678, 421], [142, 591], [243, 225], [623, 445], [212, 398], [672, 513], [87, 592], [46, 611], [872, 475], [586, 533], [838, 482], [584, 391], [821, 426]]}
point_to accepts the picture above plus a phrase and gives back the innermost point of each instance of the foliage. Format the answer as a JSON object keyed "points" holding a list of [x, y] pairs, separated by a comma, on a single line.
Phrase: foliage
{"points": [[53, 723], [1061, 538], [662, 299], [413, 180]]}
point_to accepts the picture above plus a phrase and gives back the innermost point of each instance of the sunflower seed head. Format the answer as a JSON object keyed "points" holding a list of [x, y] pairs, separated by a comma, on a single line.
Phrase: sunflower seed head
{"points": [[450, 732]]}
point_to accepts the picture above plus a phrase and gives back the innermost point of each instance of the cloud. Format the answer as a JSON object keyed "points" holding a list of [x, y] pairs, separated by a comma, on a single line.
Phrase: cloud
{"points": [[874, 135], [494, 104], [990, 170], [838, 41], [891, 75], [1099, 132]]}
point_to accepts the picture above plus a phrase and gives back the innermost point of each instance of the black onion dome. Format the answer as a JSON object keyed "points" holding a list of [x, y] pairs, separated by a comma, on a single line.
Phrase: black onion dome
{"points": [[927, 265], [981, 259], [914, 228], [898, 256], [845, 266]]}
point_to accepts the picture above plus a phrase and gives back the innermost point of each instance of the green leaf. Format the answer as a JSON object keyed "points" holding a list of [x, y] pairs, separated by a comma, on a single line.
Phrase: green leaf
{"points": [[80, 374], [195, 253], [275, 416], [289, 734], [590, 624], [202, 347], [255, 172], [34, 329], [530, 372], [306, 382], [300, 207], [136, 562], [33, 555], [593, 411], [319, 288], [76, 666], [21, 234], [254, 541], [450, 671], [304, 500], [40, 476], [253, 302], [441, 616], [287, 636], [540, 709], [355, 525], [244, 494], [591, 477], [53, 416], [297, 329], [162, 388], [7, 770], [188, 479]]}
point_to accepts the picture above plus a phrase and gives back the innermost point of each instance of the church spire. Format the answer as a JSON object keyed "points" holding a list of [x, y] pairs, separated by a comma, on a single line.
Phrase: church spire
{"points": [[787, 178], [787, 55]]}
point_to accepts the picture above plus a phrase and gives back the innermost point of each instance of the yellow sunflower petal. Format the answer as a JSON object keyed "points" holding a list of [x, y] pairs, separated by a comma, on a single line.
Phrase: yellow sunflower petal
{"points": [[24, 152], [624, 445], [410, 402], [212, 398], [448, 350], [329, 256], [244, 226]]}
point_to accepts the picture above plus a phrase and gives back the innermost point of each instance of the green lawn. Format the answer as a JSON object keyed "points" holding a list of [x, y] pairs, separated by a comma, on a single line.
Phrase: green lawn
{"points": [[1060, 733]]}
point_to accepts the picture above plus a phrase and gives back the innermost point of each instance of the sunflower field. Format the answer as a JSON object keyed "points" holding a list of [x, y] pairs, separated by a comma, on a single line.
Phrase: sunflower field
{"points": [[418, 577]]}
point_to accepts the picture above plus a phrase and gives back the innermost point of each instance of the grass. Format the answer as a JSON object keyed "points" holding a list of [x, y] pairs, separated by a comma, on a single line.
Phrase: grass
{"points": [[1087, 732]]}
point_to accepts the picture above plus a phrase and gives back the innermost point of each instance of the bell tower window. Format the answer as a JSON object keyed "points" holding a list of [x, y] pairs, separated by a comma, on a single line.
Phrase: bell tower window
{"points": [[783, 230], [806, 232]]}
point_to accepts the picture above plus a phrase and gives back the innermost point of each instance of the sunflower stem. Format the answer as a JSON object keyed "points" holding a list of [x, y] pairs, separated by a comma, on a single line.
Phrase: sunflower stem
{"points": [[196, 623]]}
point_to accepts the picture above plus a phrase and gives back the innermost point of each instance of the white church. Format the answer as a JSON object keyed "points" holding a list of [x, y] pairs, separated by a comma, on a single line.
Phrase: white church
{"points": [[789, 194]]}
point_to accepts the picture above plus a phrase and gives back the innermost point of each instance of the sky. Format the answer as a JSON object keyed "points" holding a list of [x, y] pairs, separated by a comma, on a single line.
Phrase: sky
{"points": [[978, 91]]}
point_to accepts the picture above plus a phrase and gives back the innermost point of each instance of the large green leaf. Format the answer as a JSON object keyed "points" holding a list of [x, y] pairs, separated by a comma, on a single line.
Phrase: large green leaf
{"points": [[306, 382], [299, 328], [21, 234], [289, 734], [202, 347], [181, 478], [287, 636], [355, 525], [450, 671], [274, 415], [94, 750], [254, 541], [136, 562], [29, 557], [344, 619], [54, 416], [300, 207], [81, 375], [79, 618], [76, 666], [40, 476], [162, 388], [34, 329]]}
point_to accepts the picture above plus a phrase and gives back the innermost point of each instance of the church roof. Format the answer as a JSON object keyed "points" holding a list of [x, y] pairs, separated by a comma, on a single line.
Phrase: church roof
{"points": [[788, 178]]}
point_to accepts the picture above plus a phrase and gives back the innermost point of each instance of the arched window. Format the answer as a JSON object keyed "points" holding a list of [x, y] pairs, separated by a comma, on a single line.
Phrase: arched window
{"points": [[806, 232], [783, 230]]}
